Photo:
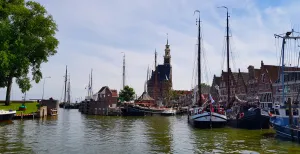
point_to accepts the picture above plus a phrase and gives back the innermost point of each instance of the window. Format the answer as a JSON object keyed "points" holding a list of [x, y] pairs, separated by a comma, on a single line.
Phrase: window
{"points": [[263, 78]]}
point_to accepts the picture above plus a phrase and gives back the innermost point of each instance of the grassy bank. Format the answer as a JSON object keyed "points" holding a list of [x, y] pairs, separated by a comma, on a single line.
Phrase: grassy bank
{"points": [[31, 107]]}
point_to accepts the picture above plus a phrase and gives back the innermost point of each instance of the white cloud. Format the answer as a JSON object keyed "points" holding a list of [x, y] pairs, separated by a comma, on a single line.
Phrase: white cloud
{"points": [[93, 34]]}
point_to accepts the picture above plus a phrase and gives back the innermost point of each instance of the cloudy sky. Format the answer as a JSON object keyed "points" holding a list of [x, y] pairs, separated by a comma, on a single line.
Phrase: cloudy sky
{"points": [[94, 33]]}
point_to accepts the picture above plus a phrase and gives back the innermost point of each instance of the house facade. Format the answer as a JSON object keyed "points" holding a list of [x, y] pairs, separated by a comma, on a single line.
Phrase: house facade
{"points": [[215, 88], [238, 85], [104, 99]]}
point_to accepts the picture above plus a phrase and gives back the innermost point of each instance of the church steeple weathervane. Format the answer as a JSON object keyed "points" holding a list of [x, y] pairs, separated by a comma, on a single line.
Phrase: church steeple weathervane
{"points": [[167, 56]]}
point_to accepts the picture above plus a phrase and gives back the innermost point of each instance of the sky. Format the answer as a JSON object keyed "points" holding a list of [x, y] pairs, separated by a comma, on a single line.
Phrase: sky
{"points": [[94, 34]]}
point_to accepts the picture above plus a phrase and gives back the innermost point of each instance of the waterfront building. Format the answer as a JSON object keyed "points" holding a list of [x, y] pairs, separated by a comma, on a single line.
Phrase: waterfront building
{"points": [[215, 88], [238, 85], [160, 82], [104, 99]]}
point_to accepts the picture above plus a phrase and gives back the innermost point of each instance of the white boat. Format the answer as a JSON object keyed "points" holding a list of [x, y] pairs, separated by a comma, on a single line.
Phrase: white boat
{"points": [[169, 111], [205, 117], [6, 115]]}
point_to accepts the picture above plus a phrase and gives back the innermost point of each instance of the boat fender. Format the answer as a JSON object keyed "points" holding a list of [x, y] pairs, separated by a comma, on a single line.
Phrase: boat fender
{"points": [[241, 115]]}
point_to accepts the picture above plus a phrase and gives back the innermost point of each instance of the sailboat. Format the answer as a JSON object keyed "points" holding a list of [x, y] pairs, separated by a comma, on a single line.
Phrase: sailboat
{"points": [[286, 119], [204, 115], [67, 94], [240, 113], [63, 104]]}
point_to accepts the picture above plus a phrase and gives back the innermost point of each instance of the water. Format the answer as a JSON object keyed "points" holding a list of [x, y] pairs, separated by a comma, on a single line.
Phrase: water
{"points": [[72, 132]]}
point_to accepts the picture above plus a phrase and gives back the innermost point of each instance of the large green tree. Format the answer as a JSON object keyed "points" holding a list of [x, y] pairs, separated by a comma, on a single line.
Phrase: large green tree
{"points": [[27, 39], [127, 94]]}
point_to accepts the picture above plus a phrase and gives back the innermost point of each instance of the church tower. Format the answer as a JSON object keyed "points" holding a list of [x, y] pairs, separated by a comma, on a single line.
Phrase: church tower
{"points": [[167, 56]]}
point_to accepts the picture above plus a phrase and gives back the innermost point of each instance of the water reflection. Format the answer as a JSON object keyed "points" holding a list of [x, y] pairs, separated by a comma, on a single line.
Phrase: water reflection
{"points": [[158, 132]]}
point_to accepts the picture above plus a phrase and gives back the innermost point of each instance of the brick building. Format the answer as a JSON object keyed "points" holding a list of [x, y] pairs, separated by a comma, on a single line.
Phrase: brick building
{"points": [[215, 87], [238, 85], [160, 82], [104, 99]]}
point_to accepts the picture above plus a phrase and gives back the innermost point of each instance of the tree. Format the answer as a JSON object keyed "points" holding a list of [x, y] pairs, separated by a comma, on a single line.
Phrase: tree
{"points": [[127, 94], [27, 39]]}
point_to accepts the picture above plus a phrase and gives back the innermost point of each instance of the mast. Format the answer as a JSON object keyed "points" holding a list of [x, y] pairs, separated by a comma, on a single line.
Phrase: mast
{"points": [[199, 57], [155, 80], [123, 70], [89, 85], [69, 92], [284, 38], [66, 79], [91, 89], [228, 68], [227, 48]]}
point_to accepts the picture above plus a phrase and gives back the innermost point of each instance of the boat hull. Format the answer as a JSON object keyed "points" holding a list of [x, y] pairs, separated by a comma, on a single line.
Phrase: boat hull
{"points": [[282, 129], [250, 120], [6, 117], [132, 111], [208, 120]]}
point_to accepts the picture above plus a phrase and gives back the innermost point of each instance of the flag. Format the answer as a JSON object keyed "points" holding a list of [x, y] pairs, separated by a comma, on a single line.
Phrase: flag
{"points": [[211, 99]]}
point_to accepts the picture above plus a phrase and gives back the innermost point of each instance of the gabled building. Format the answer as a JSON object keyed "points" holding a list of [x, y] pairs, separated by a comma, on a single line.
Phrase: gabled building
{"points": [[215, 88], [238, 85], [252, 84], [102, 101], [160, 81]]}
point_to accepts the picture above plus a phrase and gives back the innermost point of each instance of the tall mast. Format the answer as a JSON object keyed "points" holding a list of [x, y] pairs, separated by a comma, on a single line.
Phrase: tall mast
{"points": [[123, 70], [155, 80], [69, 92], [89, 86], [91, 90], [199, 57], [228, 68], [227, 47], [66, 79]]}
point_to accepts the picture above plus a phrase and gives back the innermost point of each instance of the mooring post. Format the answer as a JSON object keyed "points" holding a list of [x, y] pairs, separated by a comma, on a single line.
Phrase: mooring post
{"points": [[291, 118]]}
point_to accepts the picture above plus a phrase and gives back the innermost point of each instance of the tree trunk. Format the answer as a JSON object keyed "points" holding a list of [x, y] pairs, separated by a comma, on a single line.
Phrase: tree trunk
{"points": [[8, 90]]}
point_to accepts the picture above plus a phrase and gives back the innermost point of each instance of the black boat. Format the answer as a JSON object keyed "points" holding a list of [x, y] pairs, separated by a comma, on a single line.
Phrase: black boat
{"points": [[6, 115], [247, 116], [132, 110]]}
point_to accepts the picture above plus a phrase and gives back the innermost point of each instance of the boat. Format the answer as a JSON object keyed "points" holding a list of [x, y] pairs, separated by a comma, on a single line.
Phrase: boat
{"points": [[169, 112], [285, 119], [247, 116], [204, 115], [7, 115]]}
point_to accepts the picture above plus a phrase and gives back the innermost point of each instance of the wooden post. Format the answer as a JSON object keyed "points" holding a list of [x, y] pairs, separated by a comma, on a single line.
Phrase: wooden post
{"points": [[291, 118]]}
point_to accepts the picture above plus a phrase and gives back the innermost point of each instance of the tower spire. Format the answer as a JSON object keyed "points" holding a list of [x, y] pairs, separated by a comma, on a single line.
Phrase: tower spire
{"points": [[167, 39]]}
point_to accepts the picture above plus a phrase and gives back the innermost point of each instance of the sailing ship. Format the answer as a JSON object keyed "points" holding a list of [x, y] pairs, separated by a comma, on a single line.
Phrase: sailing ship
{"points": [[204, 115], [66, 104], [285, 119], [240, 113]]}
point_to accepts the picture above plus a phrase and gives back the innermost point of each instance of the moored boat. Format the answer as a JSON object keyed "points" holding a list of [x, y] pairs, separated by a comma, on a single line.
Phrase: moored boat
{"points": [[6, 115]]}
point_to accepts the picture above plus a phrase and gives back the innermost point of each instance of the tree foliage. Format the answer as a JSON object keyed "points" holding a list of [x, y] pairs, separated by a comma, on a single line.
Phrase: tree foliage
{"points": [[27, 39], [127, 94]]}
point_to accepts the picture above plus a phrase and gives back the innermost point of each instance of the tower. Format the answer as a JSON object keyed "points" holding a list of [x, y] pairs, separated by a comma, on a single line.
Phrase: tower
{"points": [[167, 56]]}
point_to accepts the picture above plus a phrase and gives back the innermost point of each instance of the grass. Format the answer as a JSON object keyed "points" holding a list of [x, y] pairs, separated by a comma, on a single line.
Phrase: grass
{"points": [[30, 107]]}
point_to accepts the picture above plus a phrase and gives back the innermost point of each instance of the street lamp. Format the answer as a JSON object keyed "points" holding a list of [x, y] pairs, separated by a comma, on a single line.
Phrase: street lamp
{"points": [[44, 86]]}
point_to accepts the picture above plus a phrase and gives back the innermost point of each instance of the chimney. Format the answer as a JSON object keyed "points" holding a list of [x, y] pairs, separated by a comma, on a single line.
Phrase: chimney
{"points": [[251, 71], [239, 71], [261, 63]]}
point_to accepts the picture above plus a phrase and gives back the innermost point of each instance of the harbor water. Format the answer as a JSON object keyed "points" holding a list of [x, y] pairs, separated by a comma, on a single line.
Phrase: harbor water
{"points": [[73, 132]]}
